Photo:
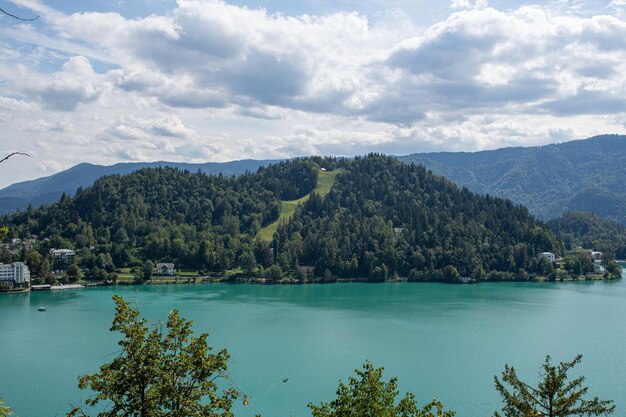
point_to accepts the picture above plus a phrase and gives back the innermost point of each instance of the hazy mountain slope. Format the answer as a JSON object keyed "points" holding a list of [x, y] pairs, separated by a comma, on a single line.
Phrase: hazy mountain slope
{"points": [[49, 189], [584, 175]]}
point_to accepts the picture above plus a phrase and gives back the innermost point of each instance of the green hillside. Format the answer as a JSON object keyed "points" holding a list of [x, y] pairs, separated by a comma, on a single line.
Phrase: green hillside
{"points": [[582, 175], [325, 181], [370, 218]]}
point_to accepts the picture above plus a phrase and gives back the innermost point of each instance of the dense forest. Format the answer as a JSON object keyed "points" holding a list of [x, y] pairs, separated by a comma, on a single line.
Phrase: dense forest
{"points": [[588, 230], [381, 220], [581, 175], [385, 218]]}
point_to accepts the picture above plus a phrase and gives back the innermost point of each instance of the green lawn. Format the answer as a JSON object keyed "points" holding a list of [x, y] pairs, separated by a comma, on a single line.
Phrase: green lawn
{"points": [[325, 181]]}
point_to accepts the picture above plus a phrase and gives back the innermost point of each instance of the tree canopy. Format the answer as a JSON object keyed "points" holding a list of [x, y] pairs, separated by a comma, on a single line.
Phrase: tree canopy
{"points": [[159, 372], [381, 219], [556, 395], [368, 395], [5, 411]]}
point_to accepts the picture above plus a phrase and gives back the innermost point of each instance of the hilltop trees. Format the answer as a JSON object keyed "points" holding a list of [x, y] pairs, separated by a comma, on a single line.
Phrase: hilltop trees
{"points": [[384, 218], [159, 372], [555, 396]]}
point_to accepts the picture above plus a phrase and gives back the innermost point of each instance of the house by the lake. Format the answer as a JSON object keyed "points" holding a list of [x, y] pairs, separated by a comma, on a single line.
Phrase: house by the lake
{"points": [[165, 269]]}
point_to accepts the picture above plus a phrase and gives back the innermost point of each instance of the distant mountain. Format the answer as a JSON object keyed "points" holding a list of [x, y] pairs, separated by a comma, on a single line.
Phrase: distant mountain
{"points": [[49, 189], [582, 175]]}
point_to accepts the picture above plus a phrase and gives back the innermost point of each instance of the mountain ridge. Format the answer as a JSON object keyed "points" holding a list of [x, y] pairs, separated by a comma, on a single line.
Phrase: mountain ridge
{"points": [[549, 179], [47, 190], [579, 175]]}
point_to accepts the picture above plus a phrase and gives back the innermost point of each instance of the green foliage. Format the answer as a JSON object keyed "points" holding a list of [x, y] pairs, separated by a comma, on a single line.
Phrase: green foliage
{"points": [[583, 175], [165, 215], [274, 273], [555, 395], [579, 263], [613, 268], [73, 273], [159, 372], [5, 411], [368, 395], [148, 269], [589, 231], [384, 218], [373, 218]]}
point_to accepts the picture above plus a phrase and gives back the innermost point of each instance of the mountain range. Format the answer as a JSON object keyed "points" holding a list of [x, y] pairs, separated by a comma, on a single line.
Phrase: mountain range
{"points": [[581, 175], [48, 190]]}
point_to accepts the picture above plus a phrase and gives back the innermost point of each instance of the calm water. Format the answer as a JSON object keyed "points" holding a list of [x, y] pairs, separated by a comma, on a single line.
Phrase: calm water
{"points": [[444, 341]]}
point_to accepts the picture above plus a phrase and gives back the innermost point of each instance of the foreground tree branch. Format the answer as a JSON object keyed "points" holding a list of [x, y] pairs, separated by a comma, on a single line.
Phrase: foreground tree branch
{"points": [[13, 153], [17, 17]]}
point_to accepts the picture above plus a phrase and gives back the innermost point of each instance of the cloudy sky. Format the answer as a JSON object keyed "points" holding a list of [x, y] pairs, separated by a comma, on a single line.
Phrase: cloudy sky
{"points": [[107, 81]]}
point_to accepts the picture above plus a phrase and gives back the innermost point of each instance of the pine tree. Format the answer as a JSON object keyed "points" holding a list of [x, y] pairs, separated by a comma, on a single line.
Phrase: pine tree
{"points": [[555, 396]]}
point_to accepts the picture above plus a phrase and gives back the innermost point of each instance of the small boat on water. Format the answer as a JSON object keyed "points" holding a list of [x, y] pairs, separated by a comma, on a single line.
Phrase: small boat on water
{"points": [[42, 308]]}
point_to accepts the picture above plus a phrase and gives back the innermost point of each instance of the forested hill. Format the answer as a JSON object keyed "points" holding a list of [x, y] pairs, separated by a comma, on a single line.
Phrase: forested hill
{"points": [[381, 218], [48, 190], [583, 175], [590, 231]]}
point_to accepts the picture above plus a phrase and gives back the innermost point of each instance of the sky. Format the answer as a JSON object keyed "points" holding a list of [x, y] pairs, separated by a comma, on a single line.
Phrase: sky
{"points": [[107, 81]]}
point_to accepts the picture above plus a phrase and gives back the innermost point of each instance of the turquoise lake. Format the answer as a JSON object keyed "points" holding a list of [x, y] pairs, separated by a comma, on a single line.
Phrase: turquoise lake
{"points": [[443, 341]]}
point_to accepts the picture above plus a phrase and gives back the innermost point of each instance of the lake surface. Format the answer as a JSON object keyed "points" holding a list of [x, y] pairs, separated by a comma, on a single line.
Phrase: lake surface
{"points": [[443, 341]]}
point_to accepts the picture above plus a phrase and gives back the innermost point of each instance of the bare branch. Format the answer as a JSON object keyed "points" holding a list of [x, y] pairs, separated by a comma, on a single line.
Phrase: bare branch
{"points": [[14, 153], [17, 17]]}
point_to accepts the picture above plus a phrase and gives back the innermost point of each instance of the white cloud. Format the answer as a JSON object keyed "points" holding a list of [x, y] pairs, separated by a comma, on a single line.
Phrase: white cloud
{"points": [[75, 83], [467, 4], [213, 81]]}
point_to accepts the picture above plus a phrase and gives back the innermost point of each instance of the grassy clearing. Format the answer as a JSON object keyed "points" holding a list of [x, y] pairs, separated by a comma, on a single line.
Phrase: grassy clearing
{"points": [[325, 181]]}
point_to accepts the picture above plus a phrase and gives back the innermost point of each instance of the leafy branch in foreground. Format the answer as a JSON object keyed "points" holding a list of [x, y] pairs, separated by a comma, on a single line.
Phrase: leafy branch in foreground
{"points": [[4, 410], [159, 373], [368, 395], [555, 396]]}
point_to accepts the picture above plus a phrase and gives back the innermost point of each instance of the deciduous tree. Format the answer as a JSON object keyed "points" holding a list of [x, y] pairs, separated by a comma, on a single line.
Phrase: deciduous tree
{"points": [[368, 395], [4, 410], [159, 372]]}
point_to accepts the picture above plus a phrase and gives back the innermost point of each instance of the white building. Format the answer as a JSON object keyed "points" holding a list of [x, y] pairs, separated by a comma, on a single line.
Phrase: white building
{"points": [[549, 256], [165, 269], [596, 256], [63, 255], [15, 273]]}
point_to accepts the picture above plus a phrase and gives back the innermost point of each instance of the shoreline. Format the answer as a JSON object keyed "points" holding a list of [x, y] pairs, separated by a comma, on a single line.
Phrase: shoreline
{"points": [[264, 281]]}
